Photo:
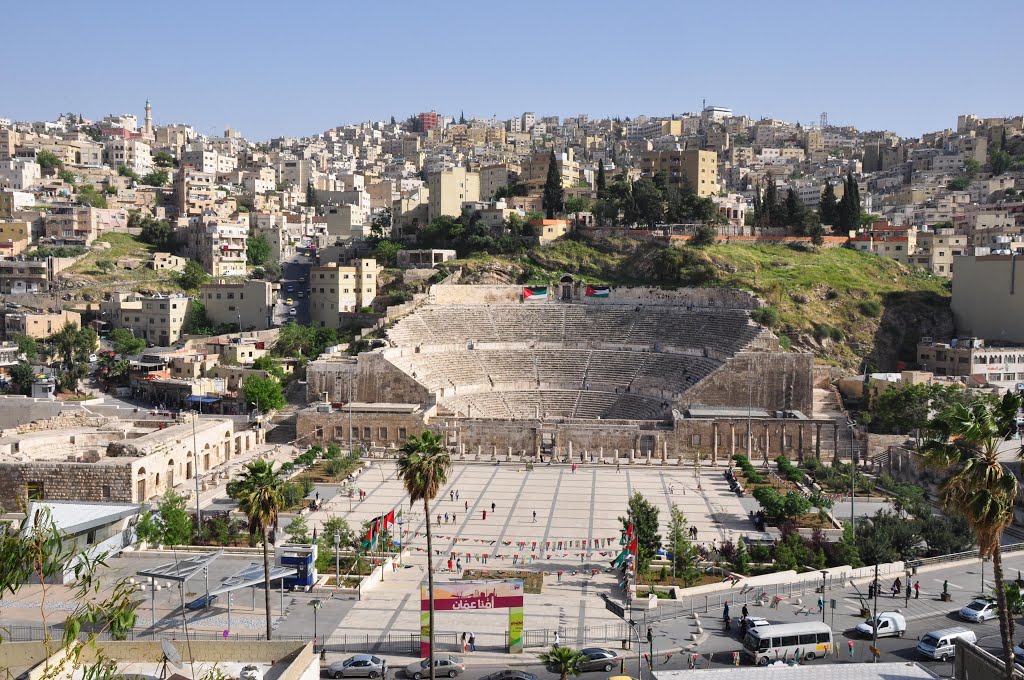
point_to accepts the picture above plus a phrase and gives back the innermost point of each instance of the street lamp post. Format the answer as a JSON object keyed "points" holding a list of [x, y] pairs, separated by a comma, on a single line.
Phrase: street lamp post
{"points": [[824, 577], [195, 476], [315, 604], [337, 559], [401, 538]]}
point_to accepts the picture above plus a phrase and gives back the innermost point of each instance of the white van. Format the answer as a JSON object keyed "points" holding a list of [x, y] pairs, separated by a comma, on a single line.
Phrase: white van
{"points": [[889, 624], [765, 644], [941, 644]]}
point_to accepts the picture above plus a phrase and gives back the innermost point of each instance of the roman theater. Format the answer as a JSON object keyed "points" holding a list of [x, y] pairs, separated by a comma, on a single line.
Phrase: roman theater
{"points": [[642, 375]]}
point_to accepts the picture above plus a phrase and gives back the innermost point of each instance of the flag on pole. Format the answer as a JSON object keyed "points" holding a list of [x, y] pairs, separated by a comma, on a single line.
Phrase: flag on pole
{"points": [[535, 293], [372, 533], [389, 519]]}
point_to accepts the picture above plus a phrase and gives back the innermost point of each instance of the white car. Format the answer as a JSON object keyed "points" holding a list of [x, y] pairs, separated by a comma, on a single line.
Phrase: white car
{"points": [[292, 312], [979, 610]]}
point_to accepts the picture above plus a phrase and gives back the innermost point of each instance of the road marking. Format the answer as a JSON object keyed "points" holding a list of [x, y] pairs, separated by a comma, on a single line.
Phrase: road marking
{"points": [[951, 585]]}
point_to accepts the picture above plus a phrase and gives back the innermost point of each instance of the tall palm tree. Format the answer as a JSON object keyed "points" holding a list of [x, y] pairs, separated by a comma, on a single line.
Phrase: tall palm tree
{"points": [[966, 444], [563, 660], [259, 496], [423, 465]]}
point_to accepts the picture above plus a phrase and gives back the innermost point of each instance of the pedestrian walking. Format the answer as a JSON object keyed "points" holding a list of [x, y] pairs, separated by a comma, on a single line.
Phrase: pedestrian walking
{"points": [[439, 520], [618, 467], [456, 494], [745, 612], [917, 590], [446, 518], [534, 516], [472, 641], [451, 494], [465, 644], [907, 600], [493, 507], [467, 506], [458, 565], [558, 641], [821, 603], [450, 564], [453, 518], [485, 513]]}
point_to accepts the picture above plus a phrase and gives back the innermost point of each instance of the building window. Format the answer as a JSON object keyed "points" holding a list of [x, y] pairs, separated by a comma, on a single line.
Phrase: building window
{"points": [[106, 492], [694, 440], [383, 434], [366, 433], [35, 491]]}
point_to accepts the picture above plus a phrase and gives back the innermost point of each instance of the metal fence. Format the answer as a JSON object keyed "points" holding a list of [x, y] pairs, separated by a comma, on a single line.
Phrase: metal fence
{"points": [[576, 636], [953, 557]]}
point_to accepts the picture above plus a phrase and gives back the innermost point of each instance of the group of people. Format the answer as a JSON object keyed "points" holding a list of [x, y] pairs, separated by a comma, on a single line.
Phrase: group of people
{"points": [[469, 642], [897, 586]]}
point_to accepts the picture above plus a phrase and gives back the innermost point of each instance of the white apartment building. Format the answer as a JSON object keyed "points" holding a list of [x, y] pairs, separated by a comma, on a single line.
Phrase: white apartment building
{"points": [[220, 245], [19, 174], [133, 153]]}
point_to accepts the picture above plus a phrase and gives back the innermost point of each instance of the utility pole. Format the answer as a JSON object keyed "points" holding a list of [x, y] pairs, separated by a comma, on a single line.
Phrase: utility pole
{"points": [[195, 476], [874, 617]]}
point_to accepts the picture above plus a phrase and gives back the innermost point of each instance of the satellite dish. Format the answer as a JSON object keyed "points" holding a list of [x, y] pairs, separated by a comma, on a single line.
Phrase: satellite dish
{"points": [[171, 655]]}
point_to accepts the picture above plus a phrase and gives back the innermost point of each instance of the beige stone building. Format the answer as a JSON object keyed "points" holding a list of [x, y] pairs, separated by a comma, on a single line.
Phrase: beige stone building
{"points": [[963, 357], [988, 301], [167, 262], [695, 167], [449, 189], [157, 319], [219, 244], [86, 456], [39, 325], [936, 249], [535, 169], [194, 191], [335, 290], [249, 303]]}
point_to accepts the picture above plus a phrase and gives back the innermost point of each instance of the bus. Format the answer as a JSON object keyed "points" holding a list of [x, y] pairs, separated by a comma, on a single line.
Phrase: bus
{"points": [[787, 641]]}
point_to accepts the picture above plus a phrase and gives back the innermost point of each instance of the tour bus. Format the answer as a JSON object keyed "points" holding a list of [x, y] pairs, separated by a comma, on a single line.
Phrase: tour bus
{"points": [[809, 640]]}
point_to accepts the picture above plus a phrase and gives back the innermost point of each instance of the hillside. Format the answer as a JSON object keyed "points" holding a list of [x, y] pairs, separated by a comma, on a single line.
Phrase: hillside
{"points": [[842, 305]]}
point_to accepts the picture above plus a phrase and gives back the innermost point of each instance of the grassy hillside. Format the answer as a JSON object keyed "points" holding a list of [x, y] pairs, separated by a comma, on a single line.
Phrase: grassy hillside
{"points": [[843, 305]]}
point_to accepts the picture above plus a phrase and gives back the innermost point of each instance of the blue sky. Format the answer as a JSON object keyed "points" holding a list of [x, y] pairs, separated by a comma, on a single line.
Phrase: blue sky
{"points": [[294, 68]]}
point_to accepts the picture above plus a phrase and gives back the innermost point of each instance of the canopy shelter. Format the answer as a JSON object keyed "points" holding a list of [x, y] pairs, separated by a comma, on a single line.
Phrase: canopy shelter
{"points": [[181, 570], [195, 399], [251, 576]]}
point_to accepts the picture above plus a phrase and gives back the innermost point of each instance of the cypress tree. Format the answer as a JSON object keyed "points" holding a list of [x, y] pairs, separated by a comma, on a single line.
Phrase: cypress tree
{"points": [[853, 206], [600, 179], [793, 214], [828, 208], [773, 216], [462, 118], [1002, 140], [553, 191]]}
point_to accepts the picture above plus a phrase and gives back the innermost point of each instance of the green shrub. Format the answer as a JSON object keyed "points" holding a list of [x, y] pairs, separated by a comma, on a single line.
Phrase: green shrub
{"points": [[870, 308], [824, 330], [336, 467], [766, 316]]}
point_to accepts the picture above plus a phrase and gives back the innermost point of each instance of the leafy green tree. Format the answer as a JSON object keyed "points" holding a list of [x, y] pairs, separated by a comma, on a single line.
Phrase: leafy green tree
{"points": [[958, 184], [88, 195], [844, 551], [563, 660], [125, 343], [257, 250], [197, 322], [22, 377], [648, 203], [644, 517], [259, 495], [685, 557], [423, 466], [966, 446], [174, 520], [380, 225], [67, 176], [971, 168], [163, 159], [386, 252], [576, 205], [263, 393], [271, 271], [849, 204], [193, 276], [157, 178], [47, 160], [27, 346], [298, 530], [124, 171], [74, 346], [106, 266], [704, 236], [741, 560], [148, 528], [601, 181], [311, 198], [781, 508], [270, 366], [553, 192]]}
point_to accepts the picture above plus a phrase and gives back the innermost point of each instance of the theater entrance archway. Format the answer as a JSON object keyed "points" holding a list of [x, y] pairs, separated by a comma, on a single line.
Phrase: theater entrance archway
{"points": [[475, 596]]}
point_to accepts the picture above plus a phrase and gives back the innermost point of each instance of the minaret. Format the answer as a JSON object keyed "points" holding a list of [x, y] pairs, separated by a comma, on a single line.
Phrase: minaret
{"points": [[148, 129]]}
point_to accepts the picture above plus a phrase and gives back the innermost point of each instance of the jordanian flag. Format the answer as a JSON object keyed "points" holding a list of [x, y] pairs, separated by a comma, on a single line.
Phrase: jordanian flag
{"points": [[628, 550], [535, 293], [372, 533], [597, 291]]}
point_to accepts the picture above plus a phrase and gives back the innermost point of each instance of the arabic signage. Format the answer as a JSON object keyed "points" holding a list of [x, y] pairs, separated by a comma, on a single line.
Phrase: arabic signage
{"points": [[474, 595], [470, 596]]}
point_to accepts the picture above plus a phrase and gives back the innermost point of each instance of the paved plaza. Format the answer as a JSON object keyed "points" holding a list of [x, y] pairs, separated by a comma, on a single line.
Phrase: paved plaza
{"points": [[576, 524]]}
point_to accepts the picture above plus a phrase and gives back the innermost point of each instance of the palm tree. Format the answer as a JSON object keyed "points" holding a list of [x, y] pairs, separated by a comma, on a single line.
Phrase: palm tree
{"points": [[259, 496], [966, 444], [563, 660], [423, 465]]}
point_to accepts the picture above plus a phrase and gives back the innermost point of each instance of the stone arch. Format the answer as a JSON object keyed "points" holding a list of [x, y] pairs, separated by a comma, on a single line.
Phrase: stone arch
{"points": [[140, 485], [565, 287], [170, 473]]}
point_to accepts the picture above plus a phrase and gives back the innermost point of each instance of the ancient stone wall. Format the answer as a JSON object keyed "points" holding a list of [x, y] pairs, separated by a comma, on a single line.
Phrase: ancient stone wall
{"points": [[370, 429], [62, 481], [762, 379], [448, 294], [373, 379]]}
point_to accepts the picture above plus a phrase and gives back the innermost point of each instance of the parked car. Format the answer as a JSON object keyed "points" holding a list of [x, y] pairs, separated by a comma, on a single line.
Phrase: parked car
{"points": [[358, 666], [289, 301], [292, 312], [443, 665], [979, 610], [889, 624], [941, 644], [250, 672], [598, 659], [510, 674]]}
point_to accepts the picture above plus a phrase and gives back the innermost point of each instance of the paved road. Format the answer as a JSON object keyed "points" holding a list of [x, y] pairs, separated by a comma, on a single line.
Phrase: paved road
{"points": [[294, 274]]}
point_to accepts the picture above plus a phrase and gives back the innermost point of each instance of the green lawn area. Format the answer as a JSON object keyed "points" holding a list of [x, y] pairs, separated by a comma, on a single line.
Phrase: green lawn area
{"points": [[122, 246]]}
